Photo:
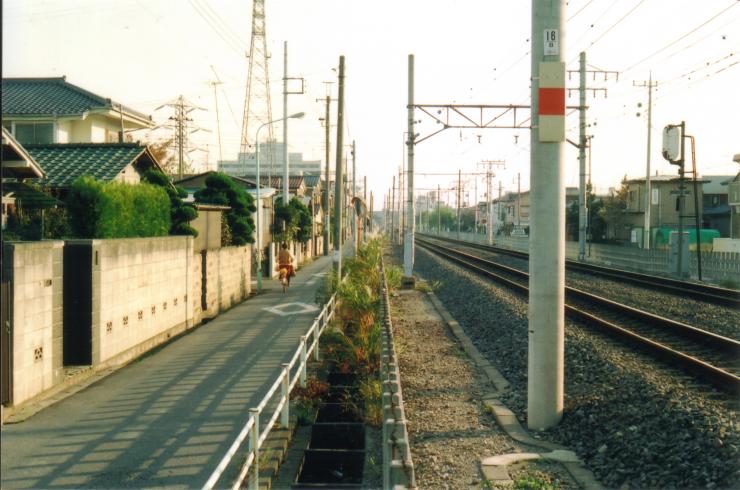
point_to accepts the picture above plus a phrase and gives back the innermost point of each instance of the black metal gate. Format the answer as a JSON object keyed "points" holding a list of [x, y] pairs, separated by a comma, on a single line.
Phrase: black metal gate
{"points": [[77, 331], [6, 363]]}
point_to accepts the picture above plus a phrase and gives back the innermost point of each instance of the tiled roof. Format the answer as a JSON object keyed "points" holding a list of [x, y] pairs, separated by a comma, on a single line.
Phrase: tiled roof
{"points": [[63, 163], [14, 153], [311, 180], [52, 97], [294, 181]]}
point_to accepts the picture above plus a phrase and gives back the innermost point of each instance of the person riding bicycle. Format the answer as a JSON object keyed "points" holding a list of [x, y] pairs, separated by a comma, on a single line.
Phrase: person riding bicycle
{"points": [[285, 261]]}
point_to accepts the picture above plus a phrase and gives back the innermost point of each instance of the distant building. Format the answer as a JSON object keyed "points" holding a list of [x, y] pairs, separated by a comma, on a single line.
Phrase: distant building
{"points": [[272, 154], [663, 205], [52, 110], [715, 206]]}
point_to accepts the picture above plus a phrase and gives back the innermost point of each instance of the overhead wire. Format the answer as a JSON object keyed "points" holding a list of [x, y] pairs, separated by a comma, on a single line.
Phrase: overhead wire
{"points": [[237, 48], [678, 39]]}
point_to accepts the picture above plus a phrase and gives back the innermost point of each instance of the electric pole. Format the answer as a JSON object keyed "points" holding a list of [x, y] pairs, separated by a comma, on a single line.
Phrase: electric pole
{"points": [[286, 92], [215, 84], [459, 188], [393, 211], [545, 365], [583, 144], [646, 228], [182, 108], [489, 199], [408, 247], [339, 174], [327, 190]]}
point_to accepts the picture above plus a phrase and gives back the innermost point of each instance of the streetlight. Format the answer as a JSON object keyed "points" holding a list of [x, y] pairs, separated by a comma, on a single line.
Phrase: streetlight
{"points": [[297, 115]]}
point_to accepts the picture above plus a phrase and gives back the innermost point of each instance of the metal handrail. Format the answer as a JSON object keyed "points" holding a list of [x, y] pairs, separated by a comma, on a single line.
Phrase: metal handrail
{"points": [[252, 425]]}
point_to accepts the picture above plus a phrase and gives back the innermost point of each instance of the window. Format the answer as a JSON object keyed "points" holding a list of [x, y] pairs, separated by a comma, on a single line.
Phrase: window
{"points": [[34, 133]]}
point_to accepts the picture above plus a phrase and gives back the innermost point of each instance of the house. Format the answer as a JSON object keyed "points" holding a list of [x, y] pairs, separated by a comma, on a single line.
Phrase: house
{"points": [[17, 166], [52, 110], [296, 183], [663, 204], [733, 200], [513, 208], [63, 163], [715, 207]]}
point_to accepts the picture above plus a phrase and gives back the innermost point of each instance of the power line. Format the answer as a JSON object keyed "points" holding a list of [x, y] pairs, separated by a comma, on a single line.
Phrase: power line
{"points": [[683, 36], [617, 23], [238, 49]]}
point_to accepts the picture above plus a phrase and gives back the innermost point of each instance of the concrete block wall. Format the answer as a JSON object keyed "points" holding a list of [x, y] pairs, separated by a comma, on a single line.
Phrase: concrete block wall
{"points": [[141, 290], [233, 275], [34, 270]]}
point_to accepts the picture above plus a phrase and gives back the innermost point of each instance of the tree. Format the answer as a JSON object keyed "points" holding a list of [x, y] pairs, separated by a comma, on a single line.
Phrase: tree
{"points": [[164, 152], [292, 222], [181, 213], [613, 210], [222, 190]]}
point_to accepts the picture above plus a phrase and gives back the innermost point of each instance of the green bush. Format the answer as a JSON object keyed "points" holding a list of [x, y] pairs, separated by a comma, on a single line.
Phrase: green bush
{"points": [[222, 190], [117, 210], [181, 213]]}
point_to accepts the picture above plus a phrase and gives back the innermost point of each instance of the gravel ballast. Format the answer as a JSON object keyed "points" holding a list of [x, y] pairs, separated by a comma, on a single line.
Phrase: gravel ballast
{"points": [[722, 320], [633, 422]]}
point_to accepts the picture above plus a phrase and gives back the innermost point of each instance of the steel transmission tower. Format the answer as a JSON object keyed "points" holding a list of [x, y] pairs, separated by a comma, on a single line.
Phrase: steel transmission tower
{"points": [[257, 105]]}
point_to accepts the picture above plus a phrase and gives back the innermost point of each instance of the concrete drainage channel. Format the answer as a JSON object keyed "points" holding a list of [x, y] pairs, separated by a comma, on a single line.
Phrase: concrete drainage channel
{"points": [[335, 455]]}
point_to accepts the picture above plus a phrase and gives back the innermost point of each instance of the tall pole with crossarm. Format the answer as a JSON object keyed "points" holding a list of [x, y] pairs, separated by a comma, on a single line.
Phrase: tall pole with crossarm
{"points": [[408, 242]]}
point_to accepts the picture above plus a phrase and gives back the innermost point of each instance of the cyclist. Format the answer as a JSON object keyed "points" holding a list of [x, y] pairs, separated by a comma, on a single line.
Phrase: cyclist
{"points": [[285, 261]]}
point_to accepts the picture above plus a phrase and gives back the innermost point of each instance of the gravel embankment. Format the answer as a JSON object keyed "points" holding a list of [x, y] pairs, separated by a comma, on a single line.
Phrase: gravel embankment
{"points": [[448, 429], [722, 320], [633, 422]]}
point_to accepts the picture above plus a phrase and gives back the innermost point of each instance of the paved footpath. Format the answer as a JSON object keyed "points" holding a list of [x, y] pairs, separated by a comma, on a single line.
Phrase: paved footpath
{"points": [[168, 418]]}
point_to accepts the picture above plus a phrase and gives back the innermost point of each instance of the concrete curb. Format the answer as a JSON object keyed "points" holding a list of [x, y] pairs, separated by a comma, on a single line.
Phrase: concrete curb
{"points": [[494, 470]]}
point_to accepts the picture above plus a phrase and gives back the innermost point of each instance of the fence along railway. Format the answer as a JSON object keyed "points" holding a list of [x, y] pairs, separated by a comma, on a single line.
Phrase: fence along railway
{"points": [[710, 357]]}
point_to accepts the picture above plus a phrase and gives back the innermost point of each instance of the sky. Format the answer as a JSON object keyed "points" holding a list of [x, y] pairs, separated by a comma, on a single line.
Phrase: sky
{"points": [[145, 53]]}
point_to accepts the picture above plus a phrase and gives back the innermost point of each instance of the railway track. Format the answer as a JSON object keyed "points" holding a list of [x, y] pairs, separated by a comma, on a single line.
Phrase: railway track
{"points": [[702, 292], [711, 357]]}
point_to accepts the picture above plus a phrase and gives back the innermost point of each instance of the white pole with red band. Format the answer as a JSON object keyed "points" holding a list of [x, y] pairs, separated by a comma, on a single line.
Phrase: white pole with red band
{"points": [[545, 368]]}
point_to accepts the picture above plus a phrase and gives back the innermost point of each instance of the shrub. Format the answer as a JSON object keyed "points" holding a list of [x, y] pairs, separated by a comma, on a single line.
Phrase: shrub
{"points": [[222, 190], [117, 210], [181, 213]]}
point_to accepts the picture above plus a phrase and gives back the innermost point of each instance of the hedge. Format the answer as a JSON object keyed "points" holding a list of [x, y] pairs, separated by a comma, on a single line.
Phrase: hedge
{"points": [[117, 210]]}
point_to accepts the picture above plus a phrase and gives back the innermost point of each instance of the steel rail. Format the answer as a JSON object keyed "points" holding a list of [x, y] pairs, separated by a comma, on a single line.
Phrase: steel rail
{"points": [[703, 292], [721, 378]]}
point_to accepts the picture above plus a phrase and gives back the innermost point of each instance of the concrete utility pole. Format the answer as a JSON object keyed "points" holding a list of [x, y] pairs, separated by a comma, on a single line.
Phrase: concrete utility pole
{"points": [[519, 200], [393, 210], [582, 158], [286, 92], [327, 218], [355, 238], [545, 371], [646, 228], [583, 144], [489, 198], [286, 163], [459, 194], [408, 242], [339, 173]]}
